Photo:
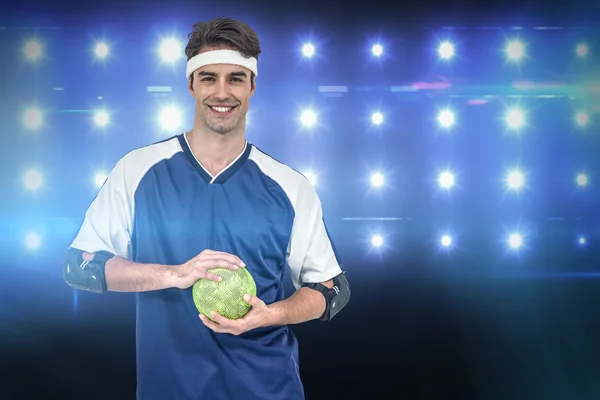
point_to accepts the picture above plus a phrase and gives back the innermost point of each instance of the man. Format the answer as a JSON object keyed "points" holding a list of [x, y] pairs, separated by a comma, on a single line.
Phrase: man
{"points": [[171, 211]]}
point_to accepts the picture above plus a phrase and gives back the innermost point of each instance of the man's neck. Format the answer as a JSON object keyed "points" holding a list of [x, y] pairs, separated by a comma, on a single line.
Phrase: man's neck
{"points": [[215, 151]]}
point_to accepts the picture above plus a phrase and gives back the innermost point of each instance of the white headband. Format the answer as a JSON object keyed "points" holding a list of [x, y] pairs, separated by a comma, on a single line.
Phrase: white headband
{"points": [[220, 57]]}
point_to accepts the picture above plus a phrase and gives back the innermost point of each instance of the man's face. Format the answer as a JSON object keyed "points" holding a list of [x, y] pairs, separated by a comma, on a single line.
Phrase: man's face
{"points": [[222, 93]]}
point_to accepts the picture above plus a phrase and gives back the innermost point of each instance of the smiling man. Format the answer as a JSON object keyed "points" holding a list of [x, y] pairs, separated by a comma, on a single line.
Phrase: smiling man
{"points": [[171, 211]]}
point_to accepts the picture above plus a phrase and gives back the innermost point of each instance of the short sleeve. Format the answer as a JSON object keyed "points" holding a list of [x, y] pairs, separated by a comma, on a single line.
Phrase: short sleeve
{"points": [[108, 221], [311, 253]]}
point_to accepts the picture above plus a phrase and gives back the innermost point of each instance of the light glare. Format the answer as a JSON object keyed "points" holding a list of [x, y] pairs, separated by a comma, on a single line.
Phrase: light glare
{"points": [[515, 179], [32, 241], [32, 180], [515, 240], [446, 118], [377, 240], [308, 50], [582, 180], [308, 118], [170, 118], [32, 50], [101, 50], [515, 50], [101, 118], [33, 118], [377, 118], [446, 179], [170, 50], [377, 179], [377, 50], [446, 50]]}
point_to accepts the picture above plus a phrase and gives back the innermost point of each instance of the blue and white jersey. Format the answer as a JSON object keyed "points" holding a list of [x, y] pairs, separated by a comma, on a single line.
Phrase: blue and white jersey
{"points": [[160, 206]]}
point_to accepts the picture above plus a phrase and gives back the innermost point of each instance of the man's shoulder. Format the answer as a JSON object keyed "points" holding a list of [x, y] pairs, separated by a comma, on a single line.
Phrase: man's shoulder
{"points": [[137, 162], [153, 152], [296, 186], [276, 169]]}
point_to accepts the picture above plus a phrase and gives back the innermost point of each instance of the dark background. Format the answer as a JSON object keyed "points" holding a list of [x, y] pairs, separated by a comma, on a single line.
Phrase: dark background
{"points": [[476, 322]]}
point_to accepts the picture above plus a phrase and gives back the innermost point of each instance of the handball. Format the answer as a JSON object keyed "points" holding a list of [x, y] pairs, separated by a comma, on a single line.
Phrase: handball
{"points": [[227, 296]]}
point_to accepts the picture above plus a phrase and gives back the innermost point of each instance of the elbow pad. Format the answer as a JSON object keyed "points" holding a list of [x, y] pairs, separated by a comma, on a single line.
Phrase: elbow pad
{"points": [[336, 298], [86, 275]]}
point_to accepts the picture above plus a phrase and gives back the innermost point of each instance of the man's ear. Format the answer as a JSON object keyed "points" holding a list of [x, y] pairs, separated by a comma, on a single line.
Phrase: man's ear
{"points": [[190, 88], [253, 88]]}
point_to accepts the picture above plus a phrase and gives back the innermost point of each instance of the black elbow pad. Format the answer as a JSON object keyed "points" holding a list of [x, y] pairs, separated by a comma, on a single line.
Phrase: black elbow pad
{"points": [[336, 298], [86, 275]]}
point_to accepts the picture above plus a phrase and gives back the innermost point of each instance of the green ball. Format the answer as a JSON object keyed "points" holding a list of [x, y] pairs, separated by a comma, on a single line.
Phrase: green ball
{"points": [[227, 296]]}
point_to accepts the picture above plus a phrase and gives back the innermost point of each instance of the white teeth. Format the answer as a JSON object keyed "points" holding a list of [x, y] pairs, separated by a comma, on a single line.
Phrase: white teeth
{"points": [[222, 109]]}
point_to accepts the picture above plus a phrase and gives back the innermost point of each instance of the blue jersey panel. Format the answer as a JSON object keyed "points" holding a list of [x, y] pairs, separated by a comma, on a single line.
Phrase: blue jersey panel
{"points": [[178, 214]]}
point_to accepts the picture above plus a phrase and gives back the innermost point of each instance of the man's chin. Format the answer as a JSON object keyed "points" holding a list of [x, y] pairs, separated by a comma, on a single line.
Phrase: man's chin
{"points": [[222, 130]]}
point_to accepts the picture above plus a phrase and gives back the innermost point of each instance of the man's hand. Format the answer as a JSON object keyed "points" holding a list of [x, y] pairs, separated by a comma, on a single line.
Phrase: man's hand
{"points": [[185, 275], [258, 316]]}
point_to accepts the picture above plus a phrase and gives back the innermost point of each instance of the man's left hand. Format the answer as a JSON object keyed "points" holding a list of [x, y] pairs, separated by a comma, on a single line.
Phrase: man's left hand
{"points": [[257, 317]]}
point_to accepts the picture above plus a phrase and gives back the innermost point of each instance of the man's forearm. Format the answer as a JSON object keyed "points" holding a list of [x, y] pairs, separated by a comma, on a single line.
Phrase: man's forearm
{"points": [[304, 305], [123, 275]]}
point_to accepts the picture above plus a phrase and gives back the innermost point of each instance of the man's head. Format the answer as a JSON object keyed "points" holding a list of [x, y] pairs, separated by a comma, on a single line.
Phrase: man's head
{"points": [[221, 55]]}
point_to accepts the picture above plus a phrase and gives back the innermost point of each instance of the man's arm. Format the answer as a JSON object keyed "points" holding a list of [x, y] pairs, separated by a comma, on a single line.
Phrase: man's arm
{"points": [[122, 275], [304, 305]]}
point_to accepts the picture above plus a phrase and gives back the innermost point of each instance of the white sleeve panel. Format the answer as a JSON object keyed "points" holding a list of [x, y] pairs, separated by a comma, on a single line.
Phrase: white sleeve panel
{"points": [[310, 255], [108, 223], [310, 252]]}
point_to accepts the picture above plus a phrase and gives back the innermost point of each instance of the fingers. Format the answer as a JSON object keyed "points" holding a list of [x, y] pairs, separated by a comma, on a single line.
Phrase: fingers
{"points": [[209, 262], [222, 257], [212, 277], [210, 324], [219, 319]]}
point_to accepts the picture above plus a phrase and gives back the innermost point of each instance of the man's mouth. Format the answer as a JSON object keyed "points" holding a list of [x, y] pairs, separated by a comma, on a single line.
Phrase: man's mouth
{"points": [[222, 110]]}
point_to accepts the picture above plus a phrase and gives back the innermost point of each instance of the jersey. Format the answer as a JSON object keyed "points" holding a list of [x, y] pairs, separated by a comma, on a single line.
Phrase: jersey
{"points": [[160, 206]]}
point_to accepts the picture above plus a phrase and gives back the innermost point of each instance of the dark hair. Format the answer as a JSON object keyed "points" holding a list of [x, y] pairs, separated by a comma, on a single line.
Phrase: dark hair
{"points": [[223, 32]]}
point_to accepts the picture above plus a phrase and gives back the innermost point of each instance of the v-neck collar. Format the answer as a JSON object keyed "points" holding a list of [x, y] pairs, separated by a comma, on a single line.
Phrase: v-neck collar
{"points": [[222, 176]]}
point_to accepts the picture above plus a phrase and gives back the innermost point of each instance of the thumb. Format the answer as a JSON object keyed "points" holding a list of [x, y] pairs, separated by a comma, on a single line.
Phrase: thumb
{"points": [[248, 298]]}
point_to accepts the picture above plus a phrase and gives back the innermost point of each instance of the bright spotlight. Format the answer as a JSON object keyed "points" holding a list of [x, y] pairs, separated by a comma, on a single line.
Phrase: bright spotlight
{"points": [[515, 118], [100, 178], [170, 119], [582, 241], [308, 50], [446, 50], [582, 180], [32, 50], [32, 241], [101, 118], [377, 50], [312, 178], [446, 118], [515, 240], [582, 50], [582, 118], [515, 50], [170, 50], [446, 241], [32, 118], [446, 179], [515, 179], [377, 118], [32, 180], [101, 50], [377, 241], [308, 118], [377, 180]]}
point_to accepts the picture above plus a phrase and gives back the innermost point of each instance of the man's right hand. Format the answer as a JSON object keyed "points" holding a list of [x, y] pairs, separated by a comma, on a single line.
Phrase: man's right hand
{"points": [[185, 275]]}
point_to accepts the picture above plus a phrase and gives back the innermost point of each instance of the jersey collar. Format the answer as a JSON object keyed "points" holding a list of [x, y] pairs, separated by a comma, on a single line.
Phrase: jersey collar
{"points": [[222, 176]]}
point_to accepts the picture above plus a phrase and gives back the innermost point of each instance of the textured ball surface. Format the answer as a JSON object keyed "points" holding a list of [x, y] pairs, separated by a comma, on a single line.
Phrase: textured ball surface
{"points": [[227, 296]]}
